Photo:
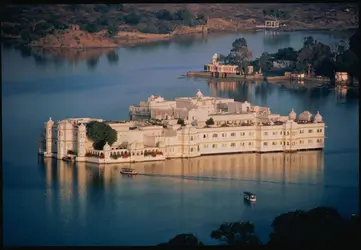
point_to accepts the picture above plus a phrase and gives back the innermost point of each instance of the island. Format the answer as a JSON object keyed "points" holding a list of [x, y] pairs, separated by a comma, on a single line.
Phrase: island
{"points": [[182, 128], [314, 62]]}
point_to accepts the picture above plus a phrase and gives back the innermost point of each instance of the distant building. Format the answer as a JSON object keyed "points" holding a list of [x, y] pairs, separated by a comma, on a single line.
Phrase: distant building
{"points": [[341, 77], [217, 68], [282, 64]]}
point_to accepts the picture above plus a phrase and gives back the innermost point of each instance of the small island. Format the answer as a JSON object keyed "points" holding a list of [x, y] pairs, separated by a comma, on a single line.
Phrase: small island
{"points": [[182, 128], [315, 61]]}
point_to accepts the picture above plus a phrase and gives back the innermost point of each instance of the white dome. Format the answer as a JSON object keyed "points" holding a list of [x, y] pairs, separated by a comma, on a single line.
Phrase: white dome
{"points": [[318, 117], [199, 94], [82, 127], [106, 146], [50, 122], [292, 115]]}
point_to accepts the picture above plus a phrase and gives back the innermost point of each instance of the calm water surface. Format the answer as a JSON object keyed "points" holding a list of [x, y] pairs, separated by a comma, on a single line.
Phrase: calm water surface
{"points": [[52, 203]]}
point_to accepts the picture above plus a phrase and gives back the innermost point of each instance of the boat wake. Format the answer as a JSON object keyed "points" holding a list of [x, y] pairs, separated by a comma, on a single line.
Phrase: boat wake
{"points": [[216, 179]]}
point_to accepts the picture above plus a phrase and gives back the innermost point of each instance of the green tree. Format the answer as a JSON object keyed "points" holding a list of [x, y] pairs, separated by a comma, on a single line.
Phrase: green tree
{"points": [[354, 43], [236, 233], [183, 240], [102, 8], [210, 121], [286, 54], [165, 27], [91, 27], [100, 133], [75, 7], [120, 7], [183, 15], [265, 62], [240, 54], [164, 15], [222, 58], [180, 122], [320, 225], [112, 30], [132, 18]]}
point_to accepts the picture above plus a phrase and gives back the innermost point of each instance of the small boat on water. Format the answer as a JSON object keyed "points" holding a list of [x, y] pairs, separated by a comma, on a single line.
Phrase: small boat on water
{"points": [[128, 171], [249, 196], [69, 158]]}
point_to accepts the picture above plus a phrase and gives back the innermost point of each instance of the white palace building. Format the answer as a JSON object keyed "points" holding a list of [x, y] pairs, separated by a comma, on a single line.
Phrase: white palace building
{"points": [[153, 132]]}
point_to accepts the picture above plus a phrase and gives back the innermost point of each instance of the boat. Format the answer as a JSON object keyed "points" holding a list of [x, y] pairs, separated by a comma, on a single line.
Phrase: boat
{"points": [[249, 196], [69, 158], [128, 171]]}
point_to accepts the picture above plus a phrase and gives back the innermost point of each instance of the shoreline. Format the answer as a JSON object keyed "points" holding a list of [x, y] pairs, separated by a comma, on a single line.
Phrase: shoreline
{"points": [[128, 39]]}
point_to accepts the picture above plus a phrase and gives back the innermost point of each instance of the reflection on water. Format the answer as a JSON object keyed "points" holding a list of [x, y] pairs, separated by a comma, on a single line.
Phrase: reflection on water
{"points": [[274, 37], [244, 90], [57, 56], [303, 168]]}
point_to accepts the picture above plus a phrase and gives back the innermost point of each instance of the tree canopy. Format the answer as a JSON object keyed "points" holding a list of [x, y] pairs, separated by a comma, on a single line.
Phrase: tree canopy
{"points": [[236, 233], [323, 59], [183, 240], [210, 121], [100, 133], [321, 225], [239, 55]]}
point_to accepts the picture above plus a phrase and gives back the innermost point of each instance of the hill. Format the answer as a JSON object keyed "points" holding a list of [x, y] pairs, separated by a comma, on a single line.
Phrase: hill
{"points": [[110, 25]]}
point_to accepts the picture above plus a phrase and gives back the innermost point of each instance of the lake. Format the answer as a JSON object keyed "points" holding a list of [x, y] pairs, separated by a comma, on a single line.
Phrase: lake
{"points": [[48, 202]]}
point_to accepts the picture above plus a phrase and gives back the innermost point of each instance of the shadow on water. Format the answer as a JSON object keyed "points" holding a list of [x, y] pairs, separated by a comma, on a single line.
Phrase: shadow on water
{"points": [[113, 57], [58, 56], [92, 62]]}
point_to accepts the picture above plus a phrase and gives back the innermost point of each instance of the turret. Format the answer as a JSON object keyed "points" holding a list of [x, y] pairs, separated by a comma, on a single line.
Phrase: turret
{"points": [[214, 58], [49, 136], [61, 139], [318, 117], [292, 115], [81, 140], [199, 94]]}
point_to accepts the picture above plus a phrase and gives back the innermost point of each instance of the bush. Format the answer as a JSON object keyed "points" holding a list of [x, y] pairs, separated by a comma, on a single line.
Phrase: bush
{"points": [[148, 28], [102, 21], [180, 121], [91, 27], [41, 28], [165, 27], [164, 15], [101, 8], [120, 7], [133, 18], [112, 30], [209, 122], [100, 133], [27, 35]]}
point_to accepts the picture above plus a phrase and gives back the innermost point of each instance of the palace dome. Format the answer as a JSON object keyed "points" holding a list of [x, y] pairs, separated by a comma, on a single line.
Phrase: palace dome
{"points": [[50, 122], [318, 117], [199, 94], [292, 115]]}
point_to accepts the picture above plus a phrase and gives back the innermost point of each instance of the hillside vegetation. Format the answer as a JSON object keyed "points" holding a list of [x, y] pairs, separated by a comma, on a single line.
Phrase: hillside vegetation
{"points": [[76, 25]]}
